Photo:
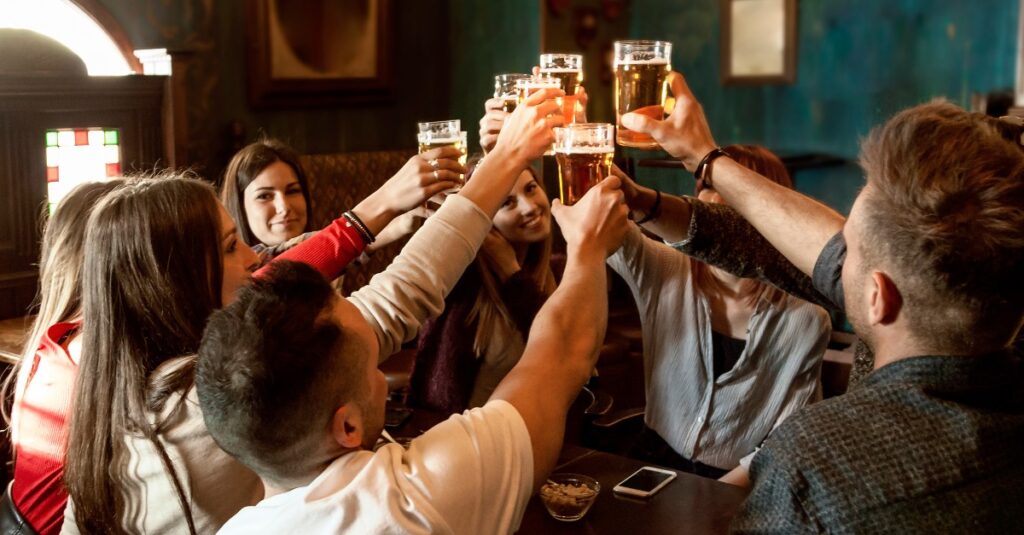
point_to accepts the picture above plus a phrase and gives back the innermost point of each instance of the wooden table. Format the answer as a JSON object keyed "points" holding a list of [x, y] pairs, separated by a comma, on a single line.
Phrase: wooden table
{"points": [[689, 504]]}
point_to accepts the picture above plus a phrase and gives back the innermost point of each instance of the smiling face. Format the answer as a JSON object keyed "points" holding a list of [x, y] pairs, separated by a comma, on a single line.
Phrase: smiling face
{"points": [[274, 205], [526, 215]]}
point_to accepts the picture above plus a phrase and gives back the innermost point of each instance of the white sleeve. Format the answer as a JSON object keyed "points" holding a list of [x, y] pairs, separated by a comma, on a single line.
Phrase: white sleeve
{"points": [[412, 289], [477, 468], [70, 526]]}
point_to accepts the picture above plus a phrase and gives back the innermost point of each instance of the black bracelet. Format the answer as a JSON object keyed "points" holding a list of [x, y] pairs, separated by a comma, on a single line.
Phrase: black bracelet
{"points": [[703, 172], [360, 227], [655, 210]]}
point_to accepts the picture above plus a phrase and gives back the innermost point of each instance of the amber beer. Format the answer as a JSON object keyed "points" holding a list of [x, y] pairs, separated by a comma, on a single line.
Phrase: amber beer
{"points": [[584, 154], [641, 70], [568, 70]]}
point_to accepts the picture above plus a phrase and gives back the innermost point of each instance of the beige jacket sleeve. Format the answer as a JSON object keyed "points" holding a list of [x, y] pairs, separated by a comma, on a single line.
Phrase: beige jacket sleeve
{"points": [[412, 289]]}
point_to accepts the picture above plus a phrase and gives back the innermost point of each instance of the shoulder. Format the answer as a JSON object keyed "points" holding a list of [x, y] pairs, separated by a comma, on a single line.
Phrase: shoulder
{"points": [[802, 314]]}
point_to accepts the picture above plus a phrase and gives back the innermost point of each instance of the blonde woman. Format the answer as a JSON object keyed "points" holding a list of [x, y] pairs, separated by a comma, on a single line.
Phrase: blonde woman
{"points": [[463, 354]]}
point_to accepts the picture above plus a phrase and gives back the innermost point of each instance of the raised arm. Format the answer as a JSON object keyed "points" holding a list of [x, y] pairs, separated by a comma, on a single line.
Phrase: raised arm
{"points": [[563, 344], [798, 226], [413, 288]]}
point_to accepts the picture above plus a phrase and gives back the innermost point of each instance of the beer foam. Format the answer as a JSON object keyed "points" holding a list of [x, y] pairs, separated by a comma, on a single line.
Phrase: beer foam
{"points": [[560, 70], [608, 149], [655, 61]]}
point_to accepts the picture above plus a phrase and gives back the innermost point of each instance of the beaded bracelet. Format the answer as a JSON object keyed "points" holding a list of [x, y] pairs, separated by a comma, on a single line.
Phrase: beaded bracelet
{"points": [[360, 227]]}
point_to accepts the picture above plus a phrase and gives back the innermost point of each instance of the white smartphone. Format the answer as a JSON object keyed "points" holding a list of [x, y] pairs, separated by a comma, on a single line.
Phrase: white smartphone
{"points": [[645, 482]]}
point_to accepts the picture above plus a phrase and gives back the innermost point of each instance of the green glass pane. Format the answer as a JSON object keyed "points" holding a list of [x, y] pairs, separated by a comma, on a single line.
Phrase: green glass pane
{"points": [[110, 137], [51, 138]]}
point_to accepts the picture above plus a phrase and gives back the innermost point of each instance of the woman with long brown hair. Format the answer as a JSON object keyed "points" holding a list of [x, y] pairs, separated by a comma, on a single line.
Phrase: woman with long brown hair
{"points": [[464, 353], [726, 359], [46, 371], [161, 255]]}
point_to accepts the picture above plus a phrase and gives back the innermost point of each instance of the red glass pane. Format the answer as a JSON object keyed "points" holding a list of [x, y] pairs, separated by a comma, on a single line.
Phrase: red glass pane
{"points": [[81, 137], [52, 174], [113, 169]]}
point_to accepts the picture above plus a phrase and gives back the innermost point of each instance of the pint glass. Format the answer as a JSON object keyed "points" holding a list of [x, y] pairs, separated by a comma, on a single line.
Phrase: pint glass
{"points": [[505, 89], [641, 68], [584, 154], [568, 68], [444, 134], [438, 134]]}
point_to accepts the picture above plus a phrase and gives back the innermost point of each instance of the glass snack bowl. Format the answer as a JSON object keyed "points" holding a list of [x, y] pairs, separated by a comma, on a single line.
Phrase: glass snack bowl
{"points": [[568, 497]]}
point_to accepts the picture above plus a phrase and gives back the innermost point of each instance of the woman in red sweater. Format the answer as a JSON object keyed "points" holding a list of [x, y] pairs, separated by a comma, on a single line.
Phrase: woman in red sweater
{"points": [[44, 388]]}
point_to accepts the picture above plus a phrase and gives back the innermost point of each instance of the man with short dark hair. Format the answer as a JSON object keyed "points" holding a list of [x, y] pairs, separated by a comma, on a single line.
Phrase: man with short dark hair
{"points": [[288, 383], [928, 269]]}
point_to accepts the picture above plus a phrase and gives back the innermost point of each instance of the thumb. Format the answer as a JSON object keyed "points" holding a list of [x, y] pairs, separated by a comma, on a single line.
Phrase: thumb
{"points": [[639, 123], [558, 210]]}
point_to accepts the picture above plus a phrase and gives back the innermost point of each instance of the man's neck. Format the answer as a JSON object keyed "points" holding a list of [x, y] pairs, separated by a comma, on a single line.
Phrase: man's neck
{"points": [[898, 346], [270, 490]]}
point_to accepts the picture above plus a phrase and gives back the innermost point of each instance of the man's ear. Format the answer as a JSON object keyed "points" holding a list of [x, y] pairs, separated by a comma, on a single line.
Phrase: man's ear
{"points": [[886, 301], [347, 426]]}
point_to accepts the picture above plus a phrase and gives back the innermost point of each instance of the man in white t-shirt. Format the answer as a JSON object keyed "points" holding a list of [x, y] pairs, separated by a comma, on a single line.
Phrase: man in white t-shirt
{"points": [[288, 384]]}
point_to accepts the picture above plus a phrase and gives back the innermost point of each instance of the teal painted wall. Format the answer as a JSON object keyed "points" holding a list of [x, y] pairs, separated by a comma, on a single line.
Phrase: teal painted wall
{"points": [[859, 62], [487, 37]]}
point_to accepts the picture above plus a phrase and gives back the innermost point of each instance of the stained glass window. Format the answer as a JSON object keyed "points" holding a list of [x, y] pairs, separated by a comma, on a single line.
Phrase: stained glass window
{"points": [[76, 155]]}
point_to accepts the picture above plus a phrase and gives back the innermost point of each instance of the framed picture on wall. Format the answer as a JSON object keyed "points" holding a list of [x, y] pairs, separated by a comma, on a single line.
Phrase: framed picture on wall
{"points": [[758, 41], [317, 52]]}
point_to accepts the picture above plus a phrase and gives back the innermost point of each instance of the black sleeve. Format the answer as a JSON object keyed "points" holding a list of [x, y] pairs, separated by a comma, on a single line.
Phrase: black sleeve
{"points": [[828, 271], [719, 236]]}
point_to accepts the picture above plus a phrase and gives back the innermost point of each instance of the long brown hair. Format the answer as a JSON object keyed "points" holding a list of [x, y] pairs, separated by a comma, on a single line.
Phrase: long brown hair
{"points": [[766, 163], [489, 310], [245, 165], [60, 267], [152, 275]]}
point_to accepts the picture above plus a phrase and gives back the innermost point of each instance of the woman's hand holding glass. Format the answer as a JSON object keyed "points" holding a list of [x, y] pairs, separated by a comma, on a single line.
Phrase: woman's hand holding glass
{"points": [[422, 177]]}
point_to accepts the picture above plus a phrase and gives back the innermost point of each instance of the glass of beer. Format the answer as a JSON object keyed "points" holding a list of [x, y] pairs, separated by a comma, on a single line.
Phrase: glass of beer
{"points": [[528, 86], [569, 69], [584, 154], [444, 134], [505, 89], [641, 69]]}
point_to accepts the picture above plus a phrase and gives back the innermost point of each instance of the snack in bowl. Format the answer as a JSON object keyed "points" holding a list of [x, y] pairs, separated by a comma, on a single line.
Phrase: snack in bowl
{"points": [[569, 496]]}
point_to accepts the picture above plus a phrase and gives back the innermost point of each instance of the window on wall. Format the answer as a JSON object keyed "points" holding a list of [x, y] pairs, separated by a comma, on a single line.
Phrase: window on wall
{"points": [[77, 155]]}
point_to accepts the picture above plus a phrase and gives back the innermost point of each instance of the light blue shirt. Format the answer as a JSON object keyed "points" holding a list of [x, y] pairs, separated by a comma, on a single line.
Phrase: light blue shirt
{"points": [[720, 421]]}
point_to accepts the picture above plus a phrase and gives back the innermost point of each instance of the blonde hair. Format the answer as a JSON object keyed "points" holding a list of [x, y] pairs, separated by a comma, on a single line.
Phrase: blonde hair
{"points": [[60, 271]]}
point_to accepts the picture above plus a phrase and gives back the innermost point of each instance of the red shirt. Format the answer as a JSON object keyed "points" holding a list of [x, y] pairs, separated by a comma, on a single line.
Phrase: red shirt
{"points": [[42, 408], [41, 411]]}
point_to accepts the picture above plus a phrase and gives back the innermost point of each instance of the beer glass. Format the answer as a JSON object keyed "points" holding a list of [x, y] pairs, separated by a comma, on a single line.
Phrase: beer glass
{"points": [[641, 69], [444, 134], [438, 134], [505, 89], [569, 69], [584, 154], [529, 86]]}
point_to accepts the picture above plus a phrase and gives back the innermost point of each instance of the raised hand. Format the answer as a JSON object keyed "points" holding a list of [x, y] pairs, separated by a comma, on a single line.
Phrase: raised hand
{"points": [[685, 133], [491, 123], [527, 132], [597, 223], [422, 177]]}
